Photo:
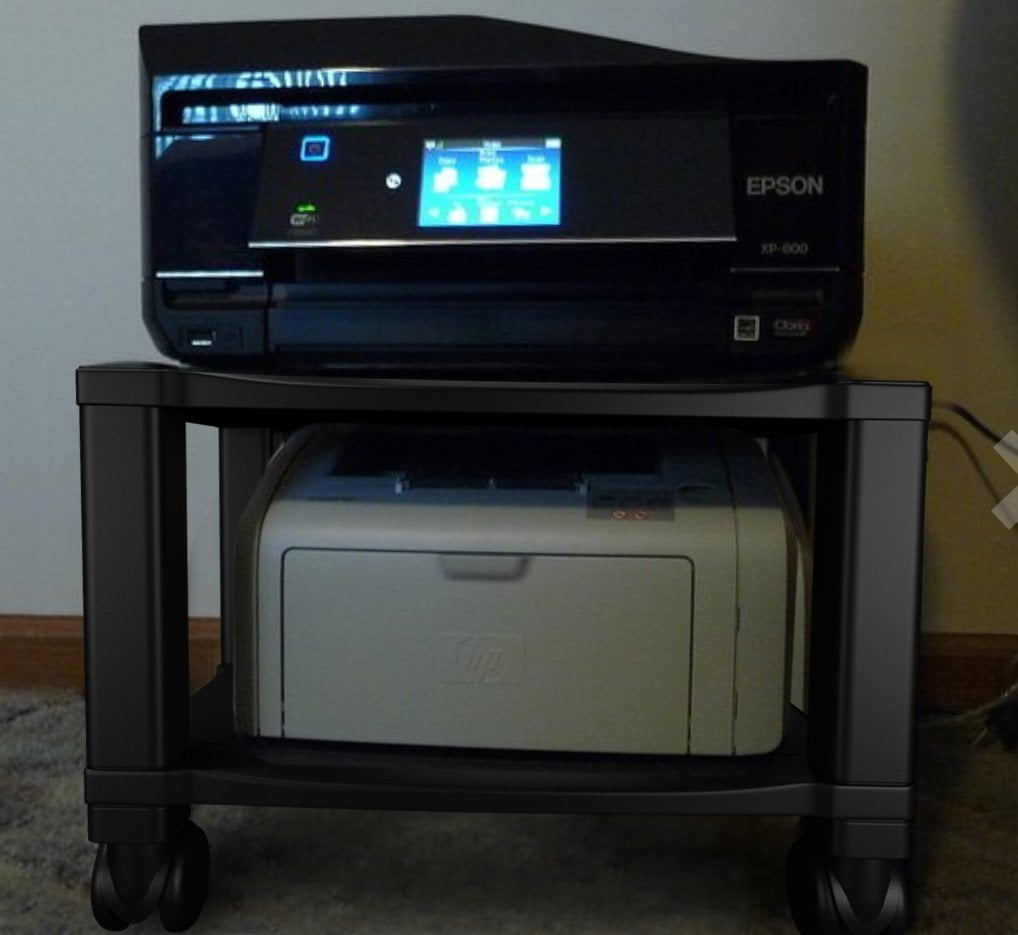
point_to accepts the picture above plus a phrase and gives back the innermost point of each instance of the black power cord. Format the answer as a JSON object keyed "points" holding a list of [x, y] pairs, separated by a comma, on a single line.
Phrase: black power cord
{"points": [[975, 422], [1000, 716]]}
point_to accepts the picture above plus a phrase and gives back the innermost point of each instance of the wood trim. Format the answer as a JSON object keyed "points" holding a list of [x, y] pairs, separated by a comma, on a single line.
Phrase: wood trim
{"points": [[957, 670], [49, 652], [965, 670]]}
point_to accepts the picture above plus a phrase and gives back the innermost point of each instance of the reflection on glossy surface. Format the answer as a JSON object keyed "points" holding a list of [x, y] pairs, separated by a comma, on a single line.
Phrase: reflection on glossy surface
{"points": [[253, 112]]}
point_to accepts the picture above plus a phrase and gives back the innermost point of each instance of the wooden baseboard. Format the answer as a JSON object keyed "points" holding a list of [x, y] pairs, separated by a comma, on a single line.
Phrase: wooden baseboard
{"points": [[965, 670], [49, 652], [957, 670]]}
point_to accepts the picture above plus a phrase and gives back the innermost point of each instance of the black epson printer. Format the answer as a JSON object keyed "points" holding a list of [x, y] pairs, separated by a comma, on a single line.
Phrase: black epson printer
{"points": [[462, 196]]}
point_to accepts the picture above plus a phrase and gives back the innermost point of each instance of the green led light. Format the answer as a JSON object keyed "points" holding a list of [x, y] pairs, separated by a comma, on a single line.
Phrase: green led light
{"points": [[307, 208]]}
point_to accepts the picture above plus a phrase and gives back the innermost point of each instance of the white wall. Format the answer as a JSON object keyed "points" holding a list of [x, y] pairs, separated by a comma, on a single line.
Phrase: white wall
{"points": [[941, 294]]}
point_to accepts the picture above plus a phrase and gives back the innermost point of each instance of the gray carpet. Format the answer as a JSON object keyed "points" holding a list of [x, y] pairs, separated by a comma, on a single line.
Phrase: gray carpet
{"points": [[310, 871]]}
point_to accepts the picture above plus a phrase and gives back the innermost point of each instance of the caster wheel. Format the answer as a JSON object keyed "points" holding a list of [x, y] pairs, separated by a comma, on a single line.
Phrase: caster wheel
{"points": [[809, 890], [129, 881], [104, 915], [187, 880], [827, 895]]}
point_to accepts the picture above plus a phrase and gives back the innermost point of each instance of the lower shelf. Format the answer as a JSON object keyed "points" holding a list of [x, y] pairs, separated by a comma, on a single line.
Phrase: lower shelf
{"points": [[242, 771]]}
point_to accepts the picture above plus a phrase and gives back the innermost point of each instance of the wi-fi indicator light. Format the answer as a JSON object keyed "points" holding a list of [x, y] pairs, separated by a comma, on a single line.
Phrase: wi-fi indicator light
{"points": [[315, 148]]}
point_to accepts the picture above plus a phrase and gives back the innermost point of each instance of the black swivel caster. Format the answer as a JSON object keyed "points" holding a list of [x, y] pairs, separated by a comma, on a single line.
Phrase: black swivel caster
{"points": [[829, 895], [130, 881]]}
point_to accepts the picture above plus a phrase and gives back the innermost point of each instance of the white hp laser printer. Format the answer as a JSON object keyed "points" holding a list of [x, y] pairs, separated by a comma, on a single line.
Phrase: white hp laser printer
{"points": [[517, 588]]}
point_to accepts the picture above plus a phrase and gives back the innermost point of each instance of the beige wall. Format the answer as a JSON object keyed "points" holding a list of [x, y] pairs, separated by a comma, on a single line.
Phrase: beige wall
{"points": [[942, 282], [942, 289]]}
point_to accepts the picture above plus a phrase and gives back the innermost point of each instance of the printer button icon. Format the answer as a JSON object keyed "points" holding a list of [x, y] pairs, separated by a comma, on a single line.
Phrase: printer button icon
{"points": [[315, 148]]}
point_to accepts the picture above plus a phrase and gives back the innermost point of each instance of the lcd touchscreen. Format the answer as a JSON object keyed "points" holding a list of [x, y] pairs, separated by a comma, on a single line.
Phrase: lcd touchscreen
{"points": [[511, 182]]}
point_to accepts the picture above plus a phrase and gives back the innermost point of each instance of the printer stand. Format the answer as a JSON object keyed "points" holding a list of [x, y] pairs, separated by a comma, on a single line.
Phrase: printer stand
{"points": [[846, 770]]}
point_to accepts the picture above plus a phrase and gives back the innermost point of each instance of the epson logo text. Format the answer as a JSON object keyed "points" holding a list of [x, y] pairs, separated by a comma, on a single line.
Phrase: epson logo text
{"points": [[784, 185]]}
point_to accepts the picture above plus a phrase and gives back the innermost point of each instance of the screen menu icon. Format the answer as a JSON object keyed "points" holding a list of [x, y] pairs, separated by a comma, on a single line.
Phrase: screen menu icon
{"points": [[506, 182]]}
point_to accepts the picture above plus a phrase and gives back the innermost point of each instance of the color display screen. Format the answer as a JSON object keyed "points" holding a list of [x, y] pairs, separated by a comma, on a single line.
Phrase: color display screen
{"points": [[512, 182]]}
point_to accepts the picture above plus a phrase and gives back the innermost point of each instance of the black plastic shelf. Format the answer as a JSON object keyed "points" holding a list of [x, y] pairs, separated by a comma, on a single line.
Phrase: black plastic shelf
{"points": [[255, 394], [291, 773]]}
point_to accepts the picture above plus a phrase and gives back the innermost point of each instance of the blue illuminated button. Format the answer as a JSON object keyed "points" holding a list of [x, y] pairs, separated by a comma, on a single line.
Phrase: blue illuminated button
{"points": [[314, 149]]}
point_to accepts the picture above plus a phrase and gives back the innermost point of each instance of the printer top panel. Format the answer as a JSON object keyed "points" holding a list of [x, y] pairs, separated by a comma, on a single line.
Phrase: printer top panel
{"points": [[477, 59], [386, 42], [598, 492]]}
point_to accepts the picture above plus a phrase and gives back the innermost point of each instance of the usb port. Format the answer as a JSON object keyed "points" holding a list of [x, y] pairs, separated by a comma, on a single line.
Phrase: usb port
{"points": [[201, 337]]}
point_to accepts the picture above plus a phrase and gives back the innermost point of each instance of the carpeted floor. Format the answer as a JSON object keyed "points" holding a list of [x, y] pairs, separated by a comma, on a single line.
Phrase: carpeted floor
{"points": [[310, 871]]}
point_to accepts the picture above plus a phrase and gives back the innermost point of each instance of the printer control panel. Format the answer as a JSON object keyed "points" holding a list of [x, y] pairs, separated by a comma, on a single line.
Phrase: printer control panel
{"points": [[594, 180]]}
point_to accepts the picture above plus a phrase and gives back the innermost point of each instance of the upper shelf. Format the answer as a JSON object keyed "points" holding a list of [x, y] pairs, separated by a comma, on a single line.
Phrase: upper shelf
{"points": [[169, 386]]}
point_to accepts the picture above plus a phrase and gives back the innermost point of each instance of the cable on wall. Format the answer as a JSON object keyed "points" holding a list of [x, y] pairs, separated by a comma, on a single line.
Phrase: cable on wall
{"points": [[1000, 716]]}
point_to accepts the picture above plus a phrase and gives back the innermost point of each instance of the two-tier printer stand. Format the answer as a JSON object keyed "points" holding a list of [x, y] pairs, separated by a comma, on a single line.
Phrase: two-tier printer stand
{"points": [[846, 769]]}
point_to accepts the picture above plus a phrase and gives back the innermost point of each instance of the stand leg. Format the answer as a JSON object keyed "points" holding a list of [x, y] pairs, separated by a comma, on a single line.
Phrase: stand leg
{"points": [[867, 566], [134, 497], [868, 527], [135, 583]]}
